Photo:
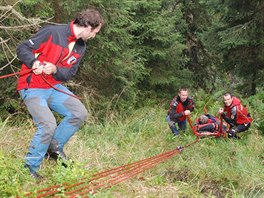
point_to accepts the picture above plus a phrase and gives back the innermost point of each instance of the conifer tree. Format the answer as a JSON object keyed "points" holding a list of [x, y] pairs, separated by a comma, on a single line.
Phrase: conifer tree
{"points": [[239, 38]]}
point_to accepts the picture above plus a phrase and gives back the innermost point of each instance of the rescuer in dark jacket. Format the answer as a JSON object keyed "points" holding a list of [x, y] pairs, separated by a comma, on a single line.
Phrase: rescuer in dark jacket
{"points": [[180, 107]]}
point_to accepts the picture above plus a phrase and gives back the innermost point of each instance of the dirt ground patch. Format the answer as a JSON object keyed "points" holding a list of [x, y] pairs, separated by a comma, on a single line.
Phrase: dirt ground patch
{"points": [[211, 187], [179, 175]]}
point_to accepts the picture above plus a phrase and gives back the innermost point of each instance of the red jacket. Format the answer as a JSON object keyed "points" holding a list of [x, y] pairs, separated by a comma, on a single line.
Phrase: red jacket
{"points": [[238, 112], [50, 44], [177, 108]]}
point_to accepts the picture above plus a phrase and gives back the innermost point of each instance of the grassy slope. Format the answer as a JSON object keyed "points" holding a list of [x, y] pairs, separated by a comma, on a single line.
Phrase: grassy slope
{"points": [[210, 168]]}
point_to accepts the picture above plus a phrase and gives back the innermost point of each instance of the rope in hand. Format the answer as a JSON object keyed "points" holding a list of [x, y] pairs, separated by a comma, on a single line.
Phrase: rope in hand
{"points": [[109, 178], [21, 73]]}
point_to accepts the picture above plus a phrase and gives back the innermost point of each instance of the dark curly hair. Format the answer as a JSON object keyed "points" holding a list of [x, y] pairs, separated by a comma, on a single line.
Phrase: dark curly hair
{"points": [[87, 17]]}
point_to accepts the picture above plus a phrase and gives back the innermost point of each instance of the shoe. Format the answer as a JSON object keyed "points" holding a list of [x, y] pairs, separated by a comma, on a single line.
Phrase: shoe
{"points": [[36, 176], [175, 134], [233, 136], [56, 155], [59, 156], [33, 173]]}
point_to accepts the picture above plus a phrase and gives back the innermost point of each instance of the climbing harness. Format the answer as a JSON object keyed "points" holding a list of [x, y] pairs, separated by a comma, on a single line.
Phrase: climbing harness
{"points": [[109, 178]]}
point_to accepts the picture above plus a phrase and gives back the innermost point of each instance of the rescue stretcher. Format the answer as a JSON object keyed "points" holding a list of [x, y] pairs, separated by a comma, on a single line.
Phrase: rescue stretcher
{"points": [[219, 132]]}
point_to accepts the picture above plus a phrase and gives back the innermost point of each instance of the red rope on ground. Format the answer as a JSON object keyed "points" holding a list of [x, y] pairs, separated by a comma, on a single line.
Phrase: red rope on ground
{"points": [[109, 178]]}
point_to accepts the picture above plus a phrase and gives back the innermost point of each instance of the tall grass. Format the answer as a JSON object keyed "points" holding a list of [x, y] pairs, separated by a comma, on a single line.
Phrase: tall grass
{"points": [[210, 168]]}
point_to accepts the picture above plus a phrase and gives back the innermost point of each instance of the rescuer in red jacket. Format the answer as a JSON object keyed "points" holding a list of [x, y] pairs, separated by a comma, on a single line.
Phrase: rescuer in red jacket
{"points": [[180, 107], [54, 53], [235, 114]]}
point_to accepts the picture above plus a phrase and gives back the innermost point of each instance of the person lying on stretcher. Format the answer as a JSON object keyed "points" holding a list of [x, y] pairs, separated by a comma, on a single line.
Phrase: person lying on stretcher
{"points": [[208, 123]]}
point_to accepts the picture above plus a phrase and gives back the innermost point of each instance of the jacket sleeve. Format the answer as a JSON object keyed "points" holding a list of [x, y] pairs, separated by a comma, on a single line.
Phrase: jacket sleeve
{"points": [[65, 73], [26, 51], [173, 112], [232, 119], [191, 105]]}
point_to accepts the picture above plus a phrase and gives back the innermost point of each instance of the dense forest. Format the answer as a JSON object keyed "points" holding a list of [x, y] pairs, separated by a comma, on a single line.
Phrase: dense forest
{"points": [[147, 49], [145, 52]]}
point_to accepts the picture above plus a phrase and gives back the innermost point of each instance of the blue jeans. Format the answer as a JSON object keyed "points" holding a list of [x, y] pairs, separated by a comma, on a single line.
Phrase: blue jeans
{"points": [[40, 104], [172, 125]]}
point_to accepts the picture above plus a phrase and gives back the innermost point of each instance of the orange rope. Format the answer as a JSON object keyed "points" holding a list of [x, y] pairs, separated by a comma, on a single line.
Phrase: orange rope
{"points": [[21, 73], [109, 178], [52, 86]]}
